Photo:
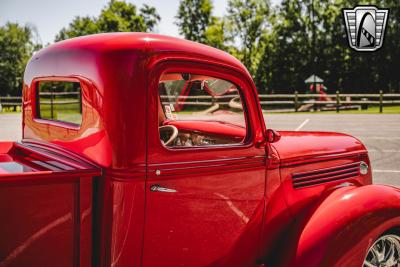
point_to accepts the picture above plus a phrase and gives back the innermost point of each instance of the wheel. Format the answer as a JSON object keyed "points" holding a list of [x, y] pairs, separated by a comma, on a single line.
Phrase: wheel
{"points": [[385, 252], [165, 139], [235, 103]]}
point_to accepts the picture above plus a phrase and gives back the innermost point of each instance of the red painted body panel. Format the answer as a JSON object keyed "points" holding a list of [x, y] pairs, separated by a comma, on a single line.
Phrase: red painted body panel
{"points": [[288, 203], [301, 147], [343, 224], [46, 203]]}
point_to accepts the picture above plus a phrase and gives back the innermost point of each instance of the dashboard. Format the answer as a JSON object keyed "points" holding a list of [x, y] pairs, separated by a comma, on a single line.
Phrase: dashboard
{"points": [[190, 134]]}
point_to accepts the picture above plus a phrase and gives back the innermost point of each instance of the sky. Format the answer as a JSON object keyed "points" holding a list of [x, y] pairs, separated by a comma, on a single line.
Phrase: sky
{"points": [[50, 16]]}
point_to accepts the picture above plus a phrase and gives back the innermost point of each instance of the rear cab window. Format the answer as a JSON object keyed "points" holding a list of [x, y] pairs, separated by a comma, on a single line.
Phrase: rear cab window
{"points": [[59, 101]]}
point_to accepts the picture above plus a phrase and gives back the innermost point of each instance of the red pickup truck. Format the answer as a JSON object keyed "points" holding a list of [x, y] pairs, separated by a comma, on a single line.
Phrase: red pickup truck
{"points": [[146, 150]]}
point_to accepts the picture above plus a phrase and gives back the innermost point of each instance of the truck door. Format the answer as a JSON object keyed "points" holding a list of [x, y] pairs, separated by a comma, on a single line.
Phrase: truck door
{"points": [[206, 175]]}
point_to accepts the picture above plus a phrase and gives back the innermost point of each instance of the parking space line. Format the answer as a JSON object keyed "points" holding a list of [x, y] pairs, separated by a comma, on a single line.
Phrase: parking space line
{"points": [[302, 125]]}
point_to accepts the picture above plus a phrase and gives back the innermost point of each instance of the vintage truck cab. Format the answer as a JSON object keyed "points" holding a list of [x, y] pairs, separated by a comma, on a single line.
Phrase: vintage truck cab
{"points": [[145, 150]]}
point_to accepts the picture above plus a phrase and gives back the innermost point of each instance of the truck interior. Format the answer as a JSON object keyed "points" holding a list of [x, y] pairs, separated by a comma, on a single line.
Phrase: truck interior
{"points": [[198, 110]]}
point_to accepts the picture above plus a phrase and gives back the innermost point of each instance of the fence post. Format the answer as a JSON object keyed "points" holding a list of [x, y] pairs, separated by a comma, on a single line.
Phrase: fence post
{"points": [[337, 101], [80, 101], [380, 101], [296, 101], [51, 105]]}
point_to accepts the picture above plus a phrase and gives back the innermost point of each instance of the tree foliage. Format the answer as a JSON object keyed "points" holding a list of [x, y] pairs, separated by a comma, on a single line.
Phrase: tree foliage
{"points": [[117, 16], [215, 34], [281, 45], [287, 58], [16, 47], [248, 20], [78, 27], [292, 55], [193, 19]]}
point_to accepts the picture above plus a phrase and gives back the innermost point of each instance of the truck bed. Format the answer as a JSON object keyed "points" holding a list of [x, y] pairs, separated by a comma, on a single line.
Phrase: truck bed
{"points": [[45, 206]]}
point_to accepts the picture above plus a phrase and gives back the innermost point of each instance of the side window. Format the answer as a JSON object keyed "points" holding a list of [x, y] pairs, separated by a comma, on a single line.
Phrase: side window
{"points": [[59, 101], [197, 110]]}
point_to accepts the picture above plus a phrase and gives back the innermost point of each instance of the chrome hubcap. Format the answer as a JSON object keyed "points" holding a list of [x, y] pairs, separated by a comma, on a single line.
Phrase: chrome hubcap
{"points": [[385, 252]]}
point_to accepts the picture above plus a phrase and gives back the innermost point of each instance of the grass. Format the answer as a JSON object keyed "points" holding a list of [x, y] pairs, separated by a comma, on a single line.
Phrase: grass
{"points": [[370, 110], [8, 109], [66, 112]]}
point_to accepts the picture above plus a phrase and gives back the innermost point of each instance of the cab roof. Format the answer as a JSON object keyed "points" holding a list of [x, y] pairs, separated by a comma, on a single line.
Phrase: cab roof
{"points": [[146, 43], [95, 56]]}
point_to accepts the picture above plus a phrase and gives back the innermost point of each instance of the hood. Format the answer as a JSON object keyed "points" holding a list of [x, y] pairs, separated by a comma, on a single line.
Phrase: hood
{"points": [[300, 147]]}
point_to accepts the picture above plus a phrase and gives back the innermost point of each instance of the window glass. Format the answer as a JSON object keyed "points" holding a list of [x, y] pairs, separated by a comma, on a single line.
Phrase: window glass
{"points": [[198, 110], [60, 101]]}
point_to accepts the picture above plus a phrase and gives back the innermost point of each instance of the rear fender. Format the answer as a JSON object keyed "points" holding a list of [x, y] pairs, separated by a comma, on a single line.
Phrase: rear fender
{"points": [[339, 229]]}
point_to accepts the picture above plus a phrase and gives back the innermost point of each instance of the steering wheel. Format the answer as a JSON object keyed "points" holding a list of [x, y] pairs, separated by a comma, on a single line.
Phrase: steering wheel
{"points": [[235, 103], [173, 136]]}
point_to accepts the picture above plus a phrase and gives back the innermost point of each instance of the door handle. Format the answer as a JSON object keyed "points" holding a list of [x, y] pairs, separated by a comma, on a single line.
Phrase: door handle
{"points": [[158, 188]]}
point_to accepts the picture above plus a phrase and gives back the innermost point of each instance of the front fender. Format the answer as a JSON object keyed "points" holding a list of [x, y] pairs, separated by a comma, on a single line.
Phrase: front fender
{"points": [[339, 229]]}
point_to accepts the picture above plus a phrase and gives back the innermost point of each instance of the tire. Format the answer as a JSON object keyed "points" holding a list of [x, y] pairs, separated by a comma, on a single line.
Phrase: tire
{"points": [[384, 252]]}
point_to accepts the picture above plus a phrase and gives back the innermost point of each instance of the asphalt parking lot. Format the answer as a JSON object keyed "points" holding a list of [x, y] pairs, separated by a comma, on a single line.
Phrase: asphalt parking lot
{"points": [[10, 126], [380, 133]]}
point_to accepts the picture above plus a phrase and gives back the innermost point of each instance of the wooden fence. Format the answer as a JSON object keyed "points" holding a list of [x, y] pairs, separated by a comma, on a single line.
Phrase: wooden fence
{"points": [[338, 101], [10, 102], [291, 102], [299, 102]]}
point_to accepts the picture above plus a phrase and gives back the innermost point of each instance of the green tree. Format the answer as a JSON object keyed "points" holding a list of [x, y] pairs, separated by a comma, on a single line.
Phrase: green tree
{"points": [[286, 58], [150, 16], [389, 55], [290, 55], [215, 34], [193, 19], [117, 16], [16, 47], [248, 22], [78, 27], [124, 17], [371, 72]]}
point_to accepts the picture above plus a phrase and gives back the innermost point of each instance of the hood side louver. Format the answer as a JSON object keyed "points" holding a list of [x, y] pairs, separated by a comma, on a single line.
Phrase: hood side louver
{"points": [[320, 176]]}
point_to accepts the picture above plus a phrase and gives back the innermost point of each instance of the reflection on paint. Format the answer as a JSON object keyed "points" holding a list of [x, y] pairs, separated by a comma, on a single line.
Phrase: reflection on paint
{"points": [[235, 209], [14, 167], [28, 242]]}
